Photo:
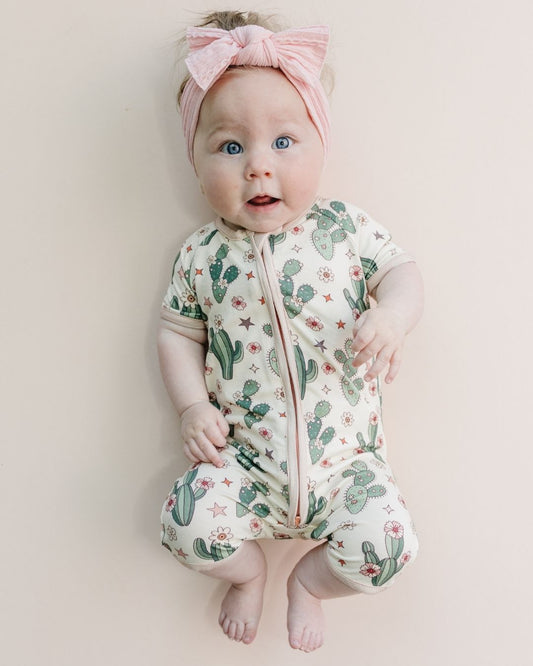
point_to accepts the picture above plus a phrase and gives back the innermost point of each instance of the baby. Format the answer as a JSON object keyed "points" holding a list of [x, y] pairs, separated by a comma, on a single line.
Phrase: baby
{"points": [[268, 345]]}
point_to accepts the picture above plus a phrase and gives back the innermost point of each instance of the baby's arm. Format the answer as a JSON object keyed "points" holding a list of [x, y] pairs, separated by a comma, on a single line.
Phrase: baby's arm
{"points": [[203, 428], [381, 331]]}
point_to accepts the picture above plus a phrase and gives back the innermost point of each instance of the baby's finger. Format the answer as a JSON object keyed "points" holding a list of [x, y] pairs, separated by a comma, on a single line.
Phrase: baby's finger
{"points": [[192, 452], [363, 336], [215, 436], [380, 363], [209, 451], [394, 367]]}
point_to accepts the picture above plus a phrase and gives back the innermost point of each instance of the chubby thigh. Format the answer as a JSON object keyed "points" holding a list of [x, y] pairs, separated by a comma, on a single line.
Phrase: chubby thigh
{"points": [[360, 513]]}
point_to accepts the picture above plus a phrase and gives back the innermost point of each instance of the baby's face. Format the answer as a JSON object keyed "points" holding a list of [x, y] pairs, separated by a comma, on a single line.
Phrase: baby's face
{"points": [[257, 154]]}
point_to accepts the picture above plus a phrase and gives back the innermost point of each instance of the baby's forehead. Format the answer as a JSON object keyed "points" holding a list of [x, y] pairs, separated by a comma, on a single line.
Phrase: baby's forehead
{"points": [[259, 93]]}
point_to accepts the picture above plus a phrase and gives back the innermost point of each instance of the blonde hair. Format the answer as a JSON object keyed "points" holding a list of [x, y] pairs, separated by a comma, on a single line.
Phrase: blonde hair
{"points": [[229, 20]]}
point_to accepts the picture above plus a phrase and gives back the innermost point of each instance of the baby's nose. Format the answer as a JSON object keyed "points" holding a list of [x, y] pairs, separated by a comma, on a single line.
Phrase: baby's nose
{"points": [[258, 166]]}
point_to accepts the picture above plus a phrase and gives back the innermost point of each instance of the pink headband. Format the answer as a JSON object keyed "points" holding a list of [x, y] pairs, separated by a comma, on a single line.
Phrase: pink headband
{"points": [[299, 54]]}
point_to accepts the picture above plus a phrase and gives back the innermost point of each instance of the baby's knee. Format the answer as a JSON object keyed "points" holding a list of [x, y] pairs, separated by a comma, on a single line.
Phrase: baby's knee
{"points": [[374, 564]]}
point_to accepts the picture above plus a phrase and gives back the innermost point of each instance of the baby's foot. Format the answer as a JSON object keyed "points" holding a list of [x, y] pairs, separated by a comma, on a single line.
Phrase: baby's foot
{"points": [[241, 609], [305, 619]]}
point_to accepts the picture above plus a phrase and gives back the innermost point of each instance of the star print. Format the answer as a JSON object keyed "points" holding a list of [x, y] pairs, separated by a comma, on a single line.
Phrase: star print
{"points": [[250, 275], [208, 302], [269, 453], [342, 563], [181, 273], [282, 415], [217, 510], [350, 254], [189, 248], [227, 482], [254, 368], [262, 300], [341, 324], [328, 297], [326, 389], [246, 322], [390, 479], [340, 544], [343, 441], [388, 509], [321, 345], [199, 271], [182, 554], [378, 236], [296, 248]]}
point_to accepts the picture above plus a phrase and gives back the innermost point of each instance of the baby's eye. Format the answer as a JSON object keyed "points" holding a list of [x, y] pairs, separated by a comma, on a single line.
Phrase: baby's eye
{"points": [[231, 148], [283, 142]]}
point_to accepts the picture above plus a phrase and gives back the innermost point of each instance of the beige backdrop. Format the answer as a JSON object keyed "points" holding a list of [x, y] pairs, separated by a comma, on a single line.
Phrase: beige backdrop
{"points": [[433, 136]]}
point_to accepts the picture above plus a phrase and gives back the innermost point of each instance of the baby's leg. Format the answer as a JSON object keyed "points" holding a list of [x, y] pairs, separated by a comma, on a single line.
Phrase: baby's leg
{"points": [[206, 527], [311, 581]]}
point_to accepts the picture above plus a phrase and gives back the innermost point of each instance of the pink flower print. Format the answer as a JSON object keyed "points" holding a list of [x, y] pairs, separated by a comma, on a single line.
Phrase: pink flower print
{"points": [[253, 347], [171, 533], [221, 534], [170, 503], [218, 321], [265, 433], [327, 368], [373, 388], [314, 323], [256, 525], [370, 569], [280, 393], [402, 501], [238, 302], [188, 297], [394, 529], [356, 273], [249, 256], [358, 451], [334, 493], [326, 274], [297, 230], [379, 442], [373, 419], [347, 419], [206, 483], [226, 411], [208, 370], [405, 557], [325, 463]]}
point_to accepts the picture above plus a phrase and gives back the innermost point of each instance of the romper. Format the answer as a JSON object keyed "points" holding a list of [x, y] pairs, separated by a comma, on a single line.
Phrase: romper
{"points": [[305, 456]]}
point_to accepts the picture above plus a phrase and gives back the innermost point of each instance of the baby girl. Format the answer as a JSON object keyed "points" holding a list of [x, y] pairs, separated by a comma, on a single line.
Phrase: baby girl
{"points": [[269, 346]]}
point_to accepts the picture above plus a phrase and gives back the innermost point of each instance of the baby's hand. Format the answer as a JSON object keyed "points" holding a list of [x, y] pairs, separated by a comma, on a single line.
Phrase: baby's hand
{"points": [[204, 430], [379, 332]]}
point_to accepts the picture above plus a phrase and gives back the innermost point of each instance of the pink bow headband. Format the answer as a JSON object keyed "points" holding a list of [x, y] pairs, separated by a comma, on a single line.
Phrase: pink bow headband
{"points": [[299, 54]]}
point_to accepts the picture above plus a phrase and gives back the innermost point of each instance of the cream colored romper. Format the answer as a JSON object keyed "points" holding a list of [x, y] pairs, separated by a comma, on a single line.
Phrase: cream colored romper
{"points": [[306, 452]]}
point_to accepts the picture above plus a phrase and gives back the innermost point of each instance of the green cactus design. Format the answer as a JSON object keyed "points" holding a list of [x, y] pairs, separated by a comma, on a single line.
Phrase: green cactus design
{"points": [[319, 530], [217, 551], [221, 281], [360, 305], [224, 351], [324, 237], [369, 267], [318, 440], [209, 238], [370, 446], [358, 495], [246, 456], [186, 498], [247, 494], [273, 240], [294, 302], [315, 506], [257, 412], [305, 374], [350, 383], [388, 566]]}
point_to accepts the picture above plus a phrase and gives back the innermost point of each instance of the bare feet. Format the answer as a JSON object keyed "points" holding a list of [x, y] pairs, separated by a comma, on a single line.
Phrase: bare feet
{"points": [[241, 609], [305, 619]]}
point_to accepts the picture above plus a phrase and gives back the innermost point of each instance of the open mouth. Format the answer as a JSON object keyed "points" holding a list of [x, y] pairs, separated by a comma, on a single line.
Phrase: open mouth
{"points": [[262, 200]]}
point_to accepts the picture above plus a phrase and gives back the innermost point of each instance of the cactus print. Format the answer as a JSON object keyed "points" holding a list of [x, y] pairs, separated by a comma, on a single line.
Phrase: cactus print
{"points": [[306, 454]]}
